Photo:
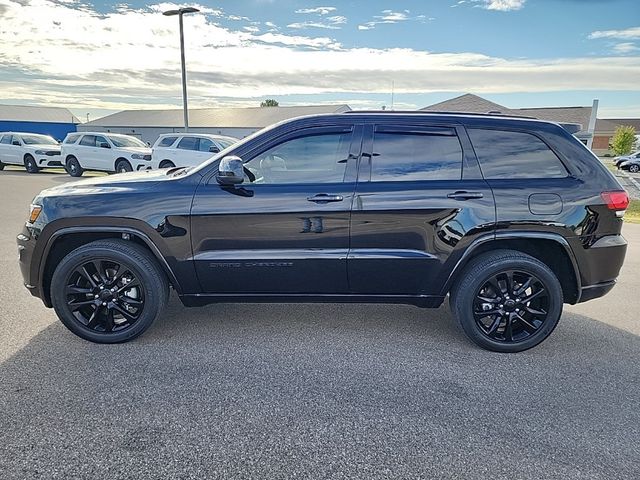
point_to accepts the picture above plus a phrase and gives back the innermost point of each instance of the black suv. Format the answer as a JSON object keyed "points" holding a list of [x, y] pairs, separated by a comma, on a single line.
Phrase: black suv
{"points": [[511, 217]]}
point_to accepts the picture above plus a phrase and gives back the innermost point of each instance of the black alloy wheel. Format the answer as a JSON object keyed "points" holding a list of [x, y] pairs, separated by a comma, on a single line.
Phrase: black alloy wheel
{"points": [[109, 291], [507, 301], [104, 295], [511, 306], [122, 166], [30, 164], [73, 167]]}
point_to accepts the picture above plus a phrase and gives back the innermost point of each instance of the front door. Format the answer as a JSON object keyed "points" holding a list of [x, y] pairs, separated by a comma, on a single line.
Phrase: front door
{"points": [[285, 230], [420, 199]]}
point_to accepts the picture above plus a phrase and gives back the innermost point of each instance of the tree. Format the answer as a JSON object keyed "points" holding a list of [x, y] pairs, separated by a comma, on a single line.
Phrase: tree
{"points": [[623, 140], [270, 102]]}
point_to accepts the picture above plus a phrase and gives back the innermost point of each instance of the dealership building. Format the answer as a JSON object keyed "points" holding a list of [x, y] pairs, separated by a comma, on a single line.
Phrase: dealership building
{"points": [[53, 121], [147, 125]]}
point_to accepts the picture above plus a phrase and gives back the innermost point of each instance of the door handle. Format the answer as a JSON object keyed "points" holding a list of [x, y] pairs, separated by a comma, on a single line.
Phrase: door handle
{"points": [[325, 198], [462, 195]]}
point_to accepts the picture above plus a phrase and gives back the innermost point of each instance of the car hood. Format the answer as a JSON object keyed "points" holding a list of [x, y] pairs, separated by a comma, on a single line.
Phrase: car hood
{"points": [[109, 184], [44, 146], [140, 150]]}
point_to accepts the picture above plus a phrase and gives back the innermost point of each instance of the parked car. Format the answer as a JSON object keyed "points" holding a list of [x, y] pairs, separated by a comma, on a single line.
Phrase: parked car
{"points": [[625, 158], [104, 152], [510, 217], [31, 150], [187, 149]]}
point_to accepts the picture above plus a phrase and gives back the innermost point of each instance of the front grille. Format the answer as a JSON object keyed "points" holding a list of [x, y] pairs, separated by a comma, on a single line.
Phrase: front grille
{"points": [[53, 153]]}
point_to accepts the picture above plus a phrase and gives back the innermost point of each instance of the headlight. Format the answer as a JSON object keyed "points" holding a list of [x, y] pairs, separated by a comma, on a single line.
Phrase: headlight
{"points": [[140, 156], [41, 152], [34, 212]]}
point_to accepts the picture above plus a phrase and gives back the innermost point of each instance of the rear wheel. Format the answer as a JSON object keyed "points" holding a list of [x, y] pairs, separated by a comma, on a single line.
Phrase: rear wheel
{"points": [[30, 164], [109, 291], [167, 164], [123, 166], [507, 301], [73, 167]]}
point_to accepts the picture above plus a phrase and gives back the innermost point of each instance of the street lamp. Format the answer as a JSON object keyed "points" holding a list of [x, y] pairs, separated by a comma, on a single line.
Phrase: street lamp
{"points": [[180, 12]]}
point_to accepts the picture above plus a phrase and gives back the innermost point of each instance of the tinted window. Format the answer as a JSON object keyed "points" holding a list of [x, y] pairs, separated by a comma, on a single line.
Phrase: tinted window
{"points": [[188, 143], [100, 140], [6, 140], [514, 155], [71, 138], [88, 141], [206, 144], [167, 141], [38, 140], [415, 156], [311, 159]]}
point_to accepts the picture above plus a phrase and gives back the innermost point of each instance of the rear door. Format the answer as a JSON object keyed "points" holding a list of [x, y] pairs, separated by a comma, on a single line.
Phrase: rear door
{"points": [[285, 230], [419, 201], [5, 149], [86, 152]]}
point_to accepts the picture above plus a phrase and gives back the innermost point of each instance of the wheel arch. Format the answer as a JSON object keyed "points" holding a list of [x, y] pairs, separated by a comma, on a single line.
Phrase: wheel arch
{"points": [[119, 159], [551, 249], [68, 239], [27, 154]]}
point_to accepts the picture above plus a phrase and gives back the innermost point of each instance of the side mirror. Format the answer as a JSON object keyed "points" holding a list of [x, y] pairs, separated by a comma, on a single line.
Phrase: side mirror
{"points": [[104, 145], [230, 171], [16, 142], [214, 149]]}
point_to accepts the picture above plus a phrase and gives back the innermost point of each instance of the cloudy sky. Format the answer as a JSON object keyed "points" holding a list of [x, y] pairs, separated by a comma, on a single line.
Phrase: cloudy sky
{"points": [[106, 56]]}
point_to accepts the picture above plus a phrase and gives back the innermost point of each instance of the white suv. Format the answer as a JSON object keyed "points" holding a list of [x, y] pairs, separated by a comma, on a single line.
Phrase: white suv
{"points": [[187, 149], [104, 152], [32, 150]]}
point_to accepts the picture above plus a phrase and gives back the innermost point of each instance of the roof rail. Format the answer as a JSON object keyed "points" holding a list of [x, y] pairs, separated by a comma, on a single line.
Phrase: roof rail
{"points": [[430, 112]]}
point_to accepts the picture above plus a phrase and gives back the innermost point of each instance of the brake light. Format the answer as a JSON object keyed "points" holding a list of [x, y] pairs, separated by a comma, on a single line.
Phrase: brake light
{"points": [[616, 200]]}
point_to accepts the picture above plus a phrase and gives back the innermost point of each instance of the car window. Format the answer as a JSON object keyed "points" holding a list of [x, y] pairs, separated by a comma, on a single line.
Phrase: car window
{"points": [[415, 156], [38, 140], [205, 145], [101, 140], [318, 158], [167, 141], [6, 140], [71, 139], [506, 154], [188, 143], [127, 141], [224, 143], [88, 141]]}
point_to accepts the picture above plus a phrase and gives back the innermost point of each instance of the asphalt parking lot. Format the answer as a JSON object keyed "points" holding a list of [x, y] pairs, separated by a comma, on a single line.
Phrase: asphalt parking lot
{"points": [[313, 391]]}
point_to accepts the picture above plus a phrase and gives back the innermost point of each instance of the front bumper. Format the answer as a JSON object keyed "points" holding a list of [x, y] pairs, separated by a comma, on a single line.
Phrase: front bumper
{"points": [[26, 245]]}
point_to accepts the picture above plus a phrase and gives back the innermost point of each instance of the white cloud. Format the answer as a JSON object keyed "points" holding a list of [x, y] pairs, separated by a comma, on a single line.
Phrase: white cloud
{"points": [[71, 55], [329, 23], [318, 10], [498, 5], [627, 34], [625, 47], [391, 17]]}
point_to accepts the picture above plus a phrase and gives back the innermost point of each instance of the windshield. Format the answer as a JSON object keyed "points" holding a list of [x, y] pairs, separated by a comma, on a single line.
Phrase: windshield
{"points": [[124, 141], [225, 142], [38, 140]]}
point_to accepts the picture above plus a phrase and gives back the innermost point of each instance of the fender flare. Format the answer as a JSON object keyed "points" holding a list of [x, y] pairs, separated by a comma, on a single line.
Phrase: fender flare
{"points": [[513, 235], [106, 229]]}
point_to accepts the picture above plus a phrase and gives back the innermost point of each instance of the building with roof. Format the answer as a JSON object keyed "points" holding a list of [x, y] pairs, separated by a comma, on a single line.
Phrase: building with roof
{"points": [[469, 103], [147, 125], [606, 128], [53, 121]]}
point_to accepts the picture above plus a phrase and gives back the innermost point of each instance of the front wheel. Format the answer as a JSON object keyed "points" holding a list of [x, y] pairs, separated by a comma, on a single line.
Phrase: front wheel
{"points": [[166, 164], [634, 168], [507, 301], [30, 164], [109, 291], [73, 167], [1, 166], [122, 166]]}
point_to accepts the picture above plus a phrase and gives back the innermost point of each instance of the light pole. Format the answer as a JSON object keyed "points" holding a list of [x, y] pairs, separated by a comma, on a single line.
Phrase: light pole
{"points": [[180, 12]]}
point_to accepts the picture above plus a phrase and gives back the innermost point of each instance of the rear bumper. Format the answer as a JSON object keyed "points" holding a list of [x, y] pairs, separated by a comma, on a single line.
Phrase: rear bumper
{"points": [[600, 266], [595, 291]]}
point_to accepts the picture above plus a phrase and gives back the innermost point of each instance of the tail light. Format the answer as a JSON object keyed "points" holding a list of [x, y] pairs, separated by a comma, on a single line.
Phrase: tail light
{"points": [[618, 201]]}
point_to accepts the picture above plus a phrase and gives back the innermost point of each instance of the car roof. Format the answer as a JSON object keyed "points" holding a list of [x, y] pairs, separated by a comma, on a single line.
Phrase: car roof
{"points": [[190, 134]]}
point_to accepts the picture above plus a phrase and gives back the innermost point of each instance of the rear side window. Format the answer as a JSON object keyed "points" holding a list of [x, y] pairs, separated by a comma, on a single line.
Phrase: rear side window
{"points": [[504, 154], [6, 140], [167, 141], [188, 143], [88, 141], [415, 156], [71, 138]]}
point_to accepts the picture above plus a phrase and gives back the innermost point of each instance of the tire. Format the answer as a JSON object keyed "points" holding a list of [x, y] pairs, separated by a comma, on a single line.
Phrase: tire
{"points": [[30, 164], [1, 166], [110, 317], [517, 325], [166, 164], [73, 167], [123, 166], [634, 168]]}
